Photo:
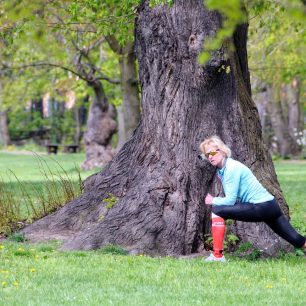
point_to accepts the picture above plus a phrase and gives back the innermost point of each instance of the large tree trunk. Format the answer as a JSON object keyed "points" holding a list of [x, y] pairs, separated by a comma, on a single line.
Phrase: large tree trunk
{"points": [[78, 126], [281, 117], [278, 109], [261, 97], [4, 133], [129, 112], [101, 126], [156, 183], [295, 111], [130, 96]]}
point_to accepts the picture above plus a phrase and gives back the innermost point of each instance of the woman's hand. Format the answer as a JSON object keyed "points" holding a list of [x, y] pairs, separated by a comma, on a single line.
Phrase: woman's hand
{"points": [[209, 198]]}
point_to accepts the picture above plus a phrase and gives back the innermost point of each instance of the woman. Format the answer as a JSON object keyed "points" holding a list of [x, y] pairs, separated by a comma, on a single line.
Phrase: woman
{"points": [[245, 199]]}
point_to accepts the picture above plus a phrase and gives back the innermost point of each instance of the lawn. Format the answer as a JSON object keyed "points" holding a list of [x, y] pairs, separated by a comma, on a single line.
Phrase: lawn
{"points": [[292, 178], [34, 179], [40, 274], [29, 166]]}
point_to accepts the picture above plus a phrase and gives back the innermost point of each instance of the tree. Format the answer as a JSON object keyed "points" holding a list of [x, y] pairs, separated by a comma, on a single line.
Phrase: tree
{"points": [[150, 198], [281, 115], [130, 110], [76, 30], [114, 20], [276, 48], [74, 50], [4, 134]]}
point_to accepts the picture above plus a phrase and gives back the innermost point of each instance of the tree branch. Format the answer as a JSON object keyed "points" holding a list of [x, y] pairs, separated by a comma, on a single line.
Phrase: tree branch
{"points": [[6, 67], [42, 64], [114, 44], [105, 78]]}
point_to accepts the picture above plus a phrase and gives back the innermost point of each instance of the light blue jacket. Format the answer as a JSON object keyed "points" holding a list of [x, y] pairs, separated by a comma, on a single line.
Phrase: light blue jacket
{"points": [[240, 184]]}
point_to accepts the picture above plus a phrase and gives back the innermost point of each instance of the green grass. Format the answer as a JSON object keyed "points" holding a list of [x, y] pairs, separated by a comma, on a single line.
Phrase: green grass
{"points": [[39, 274], [27, 167], [33, 179], [292, 178]]}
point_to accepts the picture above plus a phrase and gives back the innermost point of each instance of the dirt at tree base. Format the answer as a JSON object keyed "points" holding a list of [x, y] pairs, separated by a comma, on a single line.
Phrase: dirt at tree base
{"points": [[44, 236]]}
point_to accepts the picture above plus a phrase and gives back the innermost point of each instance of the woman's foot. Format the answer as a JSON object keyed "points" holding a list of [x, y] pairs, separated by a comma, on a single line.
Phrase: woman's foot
{"points": [[213, 258]]}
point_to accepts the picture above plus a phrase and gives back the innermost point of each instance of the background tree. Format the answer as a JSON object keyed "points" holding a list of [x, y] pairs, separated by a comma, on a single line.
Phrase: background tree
{"points": [[4, 133], [114, 21], [22, 95], [150, 198], [73, 56], [130, 109], [277, 64], [6, 32], [76, 30]]}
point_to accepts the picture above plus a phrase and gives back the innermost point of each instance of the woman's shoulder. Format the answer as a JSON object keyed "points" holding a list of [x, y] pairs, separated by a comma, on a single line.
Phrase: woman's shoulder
{"points": [[234, 164]]}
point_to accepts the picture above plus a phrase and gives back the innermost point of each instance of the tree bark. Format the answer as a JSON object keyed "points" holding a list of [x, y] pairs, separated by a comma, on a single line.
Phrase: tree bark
{"points": [[78, 126], [101, 126], [281, 116], [130, 95], [295, 111], [278, 109], [156, 183], [4, 132], [129, 112], [261, 97]]}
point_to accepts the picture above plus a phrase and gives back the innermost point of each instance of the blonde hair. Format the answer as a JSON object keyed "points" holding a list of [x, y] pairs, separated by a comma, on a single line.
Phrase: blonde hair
{"points": [[216, 141]]}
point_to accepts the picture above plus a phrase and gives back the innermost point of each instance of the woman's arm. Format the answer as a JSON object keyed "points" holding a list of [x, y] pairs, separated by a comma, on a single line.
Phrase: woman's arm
{"points": [[230, 183]]}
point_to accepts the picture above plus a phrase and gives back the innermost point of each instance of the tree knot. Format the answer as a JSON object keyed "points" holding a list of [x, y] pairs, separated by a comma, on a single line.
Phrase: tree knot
{"points": [[192, 40]]}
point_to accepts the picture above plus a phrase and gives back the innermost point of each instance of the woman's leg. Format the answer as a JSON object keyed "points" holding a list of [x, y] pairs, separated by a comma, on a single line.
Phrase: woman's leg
{"points": [[268, 212], [248, 212], [218, 233], [244, 212], [283, 228]]}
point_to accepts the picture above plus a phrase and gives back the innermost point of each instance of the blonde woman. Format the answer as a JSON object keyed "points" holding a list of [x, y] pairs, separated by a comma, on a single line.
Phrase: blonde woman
{"points": [[245, 199]]}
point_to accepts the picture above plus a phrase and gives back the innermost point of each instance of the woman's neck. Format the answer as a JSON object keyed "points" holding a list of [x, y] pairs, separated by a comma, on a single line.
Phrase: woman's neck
{"points": [[223, 162]]}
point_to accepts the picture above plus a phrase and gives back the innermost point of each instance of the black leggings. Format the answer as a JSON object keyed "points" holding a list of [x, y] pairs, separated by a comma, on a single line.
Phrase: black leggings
{"points": [[268, 212]]}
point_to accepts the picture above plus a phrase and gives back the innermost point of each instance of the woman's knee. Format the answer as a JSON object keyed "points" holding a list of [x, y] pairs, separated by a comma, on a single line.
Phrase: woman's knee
{"points": [[214, 210], [218, 211]]}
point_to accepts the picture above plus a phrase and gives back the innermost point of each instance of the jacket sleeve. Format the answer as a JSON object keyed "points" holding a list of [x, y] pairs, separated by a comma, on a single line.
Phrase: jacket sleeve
{"points": [[230, 182]]}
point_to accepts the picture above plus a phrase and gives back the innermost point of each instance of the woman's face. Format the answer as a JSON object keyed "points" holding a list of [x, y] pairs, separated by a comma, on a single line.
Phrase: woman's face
{"points": [[214, 155]]}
